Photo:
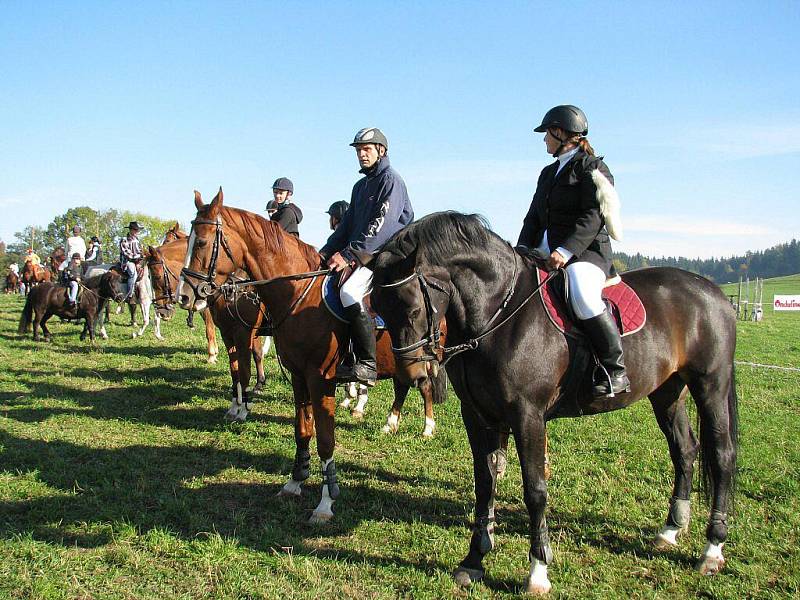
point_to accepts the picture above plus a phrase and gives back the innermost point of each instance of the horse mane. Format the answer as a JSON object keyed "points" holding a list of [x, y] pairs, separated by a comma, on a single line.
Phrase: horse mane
{"points": [[273, 235], [441, 234]]}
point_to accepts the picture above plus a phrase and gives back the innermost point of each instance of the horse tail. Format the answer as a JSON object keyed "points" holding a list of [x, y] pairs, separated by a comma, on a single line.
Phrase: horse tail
{"points": [[707, 448], [439, 387], [27, 316]]}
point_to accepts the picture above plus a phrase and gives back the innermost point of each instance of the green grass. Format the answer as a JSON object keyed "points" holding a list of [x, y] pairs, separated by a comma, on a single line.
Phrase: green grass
{"points": [[118, 479]]}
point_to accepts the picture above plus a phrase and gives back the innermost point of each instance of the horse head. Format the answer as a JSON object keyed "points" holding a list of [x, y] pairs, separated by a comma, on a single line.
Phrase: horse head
{"points": [[210, 257], [111, 286], [163, 280], [412, 297], [174, 233]]}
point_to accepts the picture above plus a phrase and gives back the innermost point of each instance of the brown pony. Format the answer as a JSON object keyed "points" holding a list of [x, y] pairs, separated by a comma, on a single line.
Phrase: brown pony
{"points": [[174, 233], [12, 283], [309, 340], [239, 322], [33, 274], [55, 259]]}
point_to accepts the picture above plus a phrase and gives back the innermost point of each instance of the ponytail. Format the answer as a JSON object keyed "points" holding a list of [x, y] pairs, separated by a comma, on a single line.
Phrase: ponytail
{"points": [[584, 144]]}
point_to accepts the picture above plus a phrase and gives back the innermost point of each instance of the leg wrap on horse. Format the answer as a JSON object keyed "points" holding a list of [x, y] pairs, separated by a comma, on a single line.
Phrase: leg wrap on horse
{"points": [[302, 464], [679, 513], [483, 535], [540, 545], [717, 530], [329, 479]]}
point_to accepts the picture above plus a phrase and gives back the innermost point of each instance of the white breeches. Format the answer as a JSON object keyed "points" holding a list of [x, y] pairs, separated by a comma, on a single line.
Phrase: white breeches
{"points": [[586, 283], [358, 285]]}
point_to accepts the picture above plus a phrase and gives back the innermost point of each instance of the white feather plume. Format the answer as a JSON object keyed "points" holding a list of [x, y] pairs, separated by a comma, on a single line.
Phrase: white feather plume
{"points": [[609, 202]]}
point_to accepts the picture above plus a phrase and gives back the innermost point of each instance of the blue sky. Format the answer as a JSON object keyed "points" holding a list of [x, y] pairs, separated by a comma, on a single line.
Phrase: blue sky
{"points": [[694, 105]]}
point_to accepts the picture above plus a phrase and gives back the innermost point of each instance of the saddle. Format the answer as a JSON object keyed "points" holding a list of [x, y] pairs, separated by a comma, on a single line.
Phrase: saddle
{"points": [[621, 300], [330, 296]]}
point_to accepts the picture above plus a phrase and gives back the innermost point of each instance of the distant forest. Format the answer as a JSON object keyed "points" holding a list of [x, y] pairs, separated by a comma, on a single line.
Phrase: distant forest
{"points": [[783, 259]]}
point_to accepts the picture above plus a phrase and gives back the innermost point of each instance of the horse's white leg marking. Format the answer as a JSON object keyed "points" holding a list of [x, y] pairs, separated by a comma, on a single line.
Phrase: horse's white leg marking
{"points": [[349, 394], [430, 426], [711, 561], [324, 511], [392, 423], [291, 488], [363, 396], [677, 522], [538, 584]]}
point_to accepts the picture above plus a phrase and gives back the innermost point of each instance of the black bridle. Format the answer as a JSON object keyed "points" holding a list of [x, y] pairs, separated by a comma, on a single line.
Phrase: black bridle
{"points": [[207, 285], [167, 276], [431, 341]]}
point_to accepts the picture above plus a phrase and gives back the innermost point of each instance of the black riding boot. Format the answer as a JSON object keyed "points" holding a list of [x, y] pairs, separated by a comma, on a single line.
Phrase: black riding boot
{"points": [[362, 333], [610, 377]]}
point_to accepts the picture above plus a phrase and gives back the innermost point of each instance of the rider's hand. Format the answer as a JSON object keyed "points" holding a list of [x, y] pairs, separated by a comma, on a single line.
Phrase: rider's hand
{"points": [[556, 261], [337, 262]]}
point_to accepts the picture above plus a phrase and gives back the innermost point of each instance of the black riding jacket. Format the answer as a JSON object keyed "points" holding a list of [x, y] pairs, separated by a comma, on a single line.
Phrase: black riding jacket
{"points": [[288, 216], [566, 206]]}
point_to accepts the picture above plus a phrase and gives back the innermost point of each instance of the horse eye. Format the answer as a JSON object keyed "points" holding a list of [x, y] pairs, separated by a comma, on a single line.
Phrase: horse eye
{"points": [[202, 243], [414, 313]]}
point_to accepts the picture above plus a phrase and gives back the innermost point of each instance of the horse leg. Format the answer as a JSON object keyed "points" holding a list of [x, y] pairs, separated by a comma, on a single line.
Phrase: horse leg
{"points": [[715, 396], [485, 444], [426, 391], [350, 394], [45, 331], [102, 315], [529, 434], [303, 432], [669, 406], [211, 336], [323, 400], [393, 420], [236, 388], [90, 326], [362, 395], [132, 310], [502, 455], [257, 349], [243, 353]]}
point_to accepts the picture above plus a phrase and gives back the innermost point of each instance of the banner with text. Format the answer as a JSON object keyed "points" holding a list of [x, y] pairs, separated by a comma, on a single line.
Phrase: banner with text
{"points": [[786, 302]]}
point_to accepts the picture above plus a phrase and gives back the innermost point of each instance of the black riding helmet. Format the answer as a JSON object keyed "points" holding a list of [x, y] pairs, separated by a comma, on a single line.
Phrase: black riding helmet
{"points": [[337, 209], [567, 117], [370, 135], [284, 184]]}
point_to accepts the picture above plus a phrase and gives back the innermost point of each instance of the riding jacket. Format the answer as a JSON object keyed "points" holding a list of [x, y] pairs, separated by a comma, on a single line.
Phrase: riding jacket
{"points": [[566, 206], [379, 208], [288, 216], [130, 249]]}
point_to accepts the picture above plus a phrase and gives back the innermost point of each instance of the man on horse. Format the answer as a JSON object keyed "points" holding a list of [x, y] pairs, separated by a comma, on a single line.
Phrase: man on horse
{"points": [[130, 255], [70, 278], [336, 213], [568, 223], [75, 244], [284, 212], [379, 208], [32, 257]]}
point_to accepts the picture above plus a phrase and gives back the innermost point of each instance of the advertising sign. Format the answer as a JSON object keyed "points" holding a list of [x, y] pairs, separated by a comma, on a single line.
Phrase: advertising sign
{"points": [[786, 302]]}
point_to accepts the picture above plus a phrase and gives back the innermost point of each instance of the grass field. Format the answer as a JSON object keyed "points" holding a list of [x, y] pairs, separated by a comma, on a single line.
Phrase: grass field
{"points": [[118, 479]]}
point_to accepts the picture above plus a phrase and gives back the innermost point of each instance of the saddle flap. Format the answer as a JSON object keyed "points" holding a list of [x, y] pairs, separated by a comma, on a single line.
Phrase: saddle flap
{"points": [[330, 296], [625, 306]]}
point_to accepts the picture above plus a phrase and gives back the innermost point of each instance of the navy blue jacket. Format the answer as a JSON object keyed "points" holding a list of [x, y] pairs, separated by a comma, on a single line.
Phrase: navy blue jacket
{"points": [[379, 208]]}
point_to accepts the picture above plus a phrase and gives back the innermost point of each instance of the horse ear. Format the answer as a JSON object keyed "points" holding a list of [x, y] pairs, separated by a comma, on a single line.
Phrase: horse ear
{"points": [[176, 227], [198, 200], [217, 201]]}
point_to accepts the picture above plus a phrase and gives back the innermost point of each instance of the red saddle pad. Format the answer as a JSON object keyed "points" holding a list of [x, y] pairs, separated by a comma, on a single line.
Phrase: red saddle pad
{"points": [[627, 308]]}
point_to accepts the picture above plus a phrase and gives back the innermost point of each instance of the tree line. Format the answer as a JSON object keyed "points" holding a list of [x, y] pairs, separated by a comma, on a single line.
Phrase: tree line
{"points": [[108, 225], [783, 259]]}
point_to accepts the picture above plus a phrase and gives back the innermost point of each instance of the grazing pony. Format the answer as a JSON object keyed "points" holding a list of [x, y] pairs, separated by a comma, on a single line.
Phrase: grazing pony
{"points": [[510, 369], [239, 322], [48, 299], [308, 338]]}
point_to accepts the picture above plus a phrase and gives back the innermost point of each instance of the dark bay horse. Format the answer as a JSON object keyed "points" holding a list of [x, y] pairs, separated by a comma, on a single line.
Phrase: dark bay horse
{"points": [[309, 340], [511, 375], [239, 322], [34, 274], [48, 299]]}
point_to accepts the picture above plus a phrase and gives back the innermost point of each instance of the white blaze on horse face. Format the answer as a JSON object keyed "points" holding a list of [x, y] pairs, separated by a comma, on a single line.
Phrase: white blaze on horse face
{"points": [[186, 261]]}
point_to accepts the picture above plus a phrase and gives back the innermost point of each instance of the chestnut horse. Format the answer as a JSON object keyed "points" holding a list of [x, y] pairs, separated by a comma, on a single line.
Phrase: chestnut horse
{"points": [[34, 274], [174, 233], [239, 323], [510, 368], [309, 340]]}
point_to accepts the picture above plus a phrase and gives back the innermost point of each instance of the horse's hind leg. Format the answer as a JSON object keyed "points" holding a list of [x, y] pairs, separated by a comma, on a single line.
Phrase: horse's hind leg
{"points": [[485, 446], [393, 420], [669, 406], [715, 396], [426, 391]]}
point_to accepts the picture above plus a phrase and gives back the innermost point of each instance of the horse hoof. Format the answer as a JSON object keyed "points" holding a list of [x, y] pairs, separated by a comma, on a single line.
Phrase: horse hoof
{"points": [[320, 518], [357, 415], [387, 429], [538, 589], [160, 338], [662, 544], [212, 360], [710, 565], [133, 335], [346, 403], [288, 494], [465, 577]]}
